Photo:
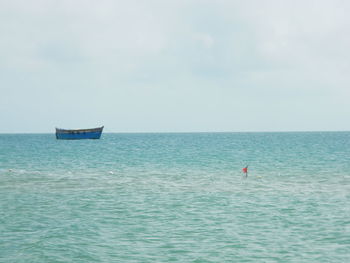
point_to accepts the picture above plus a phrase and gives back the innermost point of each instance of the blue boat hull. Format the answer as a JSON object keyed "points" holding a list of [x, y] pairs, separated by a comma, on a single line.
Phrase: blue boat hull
{"points": [[62, 134]]}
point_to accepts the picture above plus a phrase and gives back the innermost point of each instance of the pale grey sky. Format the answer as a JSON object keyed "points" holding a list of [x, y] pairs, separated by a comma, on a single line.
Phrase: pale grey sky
{"points": [[174, 65]]}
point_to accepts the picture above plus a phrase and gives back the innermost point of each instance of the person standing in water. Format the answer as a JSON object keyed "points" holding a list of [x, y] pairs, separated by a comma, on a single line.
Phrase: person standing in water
{"points": [[245, 170]]}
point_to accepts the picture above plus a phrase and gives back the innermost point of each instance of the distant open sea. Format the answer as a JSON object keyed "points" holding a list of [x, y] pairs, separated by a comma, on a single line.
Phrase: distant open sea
{"points": [[175, 198]]}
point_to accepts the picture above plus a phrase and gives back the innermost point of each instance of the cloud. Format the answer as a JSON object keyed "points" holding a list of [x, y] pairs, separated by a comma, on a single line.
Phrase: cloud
{"points": [[183, 58]]}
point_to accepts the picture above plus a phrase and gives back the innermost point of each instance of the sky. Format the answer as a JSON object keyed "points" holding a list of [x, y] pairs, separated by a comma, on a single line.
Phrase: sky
{"points": [[175, 65]]}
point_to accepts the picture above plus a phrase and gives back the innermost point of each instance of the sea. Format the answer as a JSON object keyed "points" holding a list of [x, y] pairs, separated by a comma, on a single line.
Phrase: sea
{"points": [[175, 197]]}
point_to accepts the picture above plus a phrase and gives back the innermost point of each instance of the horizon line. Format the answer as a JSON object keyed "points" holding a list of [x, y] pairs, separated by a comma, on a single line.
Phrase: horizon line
{"points": [[185, 132]]}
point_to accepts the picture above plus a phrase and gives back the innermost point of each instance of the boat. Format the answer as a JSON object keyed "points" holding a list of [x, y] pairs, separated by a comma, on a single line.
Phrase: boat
{"points": [[63, 134]]}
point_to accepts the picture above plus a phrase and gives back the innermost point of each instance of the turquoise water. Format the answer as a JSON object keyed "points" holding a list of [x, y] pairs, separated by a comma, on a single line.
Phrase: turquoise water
{"points": [[176, 198]]}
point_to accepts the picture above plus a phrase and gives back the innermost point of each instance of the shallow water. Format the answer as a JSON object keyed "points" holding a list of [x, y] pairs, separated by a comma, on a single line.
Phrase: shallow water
{"points": [[176, 198]]}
